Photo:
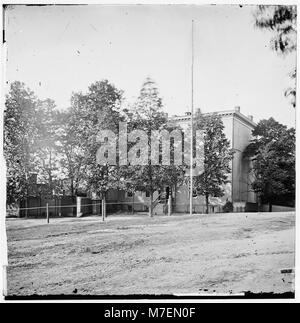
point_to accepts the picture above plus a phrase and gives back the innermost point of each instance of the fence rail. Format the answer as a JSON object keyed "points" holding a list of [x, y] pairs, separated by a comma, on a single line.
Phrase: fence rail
{"points": [[86, 208], [75, 205]]}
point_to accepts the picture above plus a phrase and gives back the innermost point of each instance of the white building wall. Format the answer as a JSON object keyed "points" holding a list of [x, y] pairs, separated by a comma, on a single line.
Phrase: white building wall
{"points": [[237, 129]]}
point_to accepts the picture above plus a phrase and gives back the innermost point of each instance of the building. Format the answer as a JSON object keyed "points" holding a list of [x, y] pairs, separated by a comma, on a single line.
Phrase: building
{"points": [[238, 129]]}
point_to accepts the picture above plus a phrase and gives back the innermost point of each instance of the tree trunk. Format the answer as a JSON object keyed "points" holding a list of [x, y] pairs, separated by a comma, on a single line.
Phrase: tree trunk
{"points": [[50, 173], [17, 206], [26, 207], [104, 199], [170, 205], [132, 208], [40, 205], [74, 209], [175, 196], [206, 203], [270, 206], [103, 208], [72, 187], [258, 203], [151, 205]]}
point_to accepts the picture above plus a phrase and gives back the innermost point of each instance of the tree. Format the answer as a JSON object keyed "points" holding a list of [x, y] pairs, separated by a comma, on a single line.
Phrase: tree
{"points": [[272, 152], [92, 112], [70, 147], [20, 134], [30, 143], [147, 115], [282, 21], [217, 157], [46, 149]]}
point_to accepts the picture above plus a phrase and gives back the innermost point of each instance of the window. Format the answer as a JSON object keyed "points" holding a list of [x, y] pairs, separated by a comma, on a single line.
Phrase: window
{"points": [[129, 194], [147, 194]]}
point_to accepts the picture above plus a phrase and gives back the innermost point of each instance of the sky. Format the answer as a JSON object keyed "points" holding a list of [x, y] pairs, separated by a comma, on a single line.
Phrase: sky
{"points": [[57, 50]]}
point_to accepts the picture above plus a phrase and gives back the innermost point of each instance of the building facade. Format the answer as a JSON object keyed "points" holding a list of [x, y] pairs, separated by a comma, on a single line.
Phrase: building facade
{"points": [[238, 130]]}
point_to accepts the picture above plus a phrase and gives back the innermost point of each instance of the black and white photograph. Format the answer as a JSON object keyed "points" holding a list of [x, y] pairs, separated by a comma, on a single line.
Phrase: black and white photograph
{"points": [[148, 152]]}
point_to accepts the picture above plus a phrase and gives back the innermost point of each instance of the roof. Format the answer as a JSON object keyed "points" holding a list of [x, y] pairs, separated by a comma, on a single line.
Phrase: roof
{"points": [[234, 113]]}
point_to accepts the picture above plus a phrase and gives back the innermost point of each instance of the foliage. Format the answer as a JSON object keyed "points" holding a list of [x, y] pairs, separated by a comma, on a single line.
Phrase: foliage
{"points": [[96, 110], [19, 136], [45, 146], [281, 20], [217, 157], [228, 207], [70, 149], [147, 115], [29, 146], [272, 152]]}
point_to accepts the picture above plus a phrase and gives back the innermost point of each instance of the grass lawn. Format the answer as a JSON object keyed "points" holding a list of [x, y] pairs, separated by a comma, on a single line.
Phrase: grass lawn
{"points": [[181, 254]]}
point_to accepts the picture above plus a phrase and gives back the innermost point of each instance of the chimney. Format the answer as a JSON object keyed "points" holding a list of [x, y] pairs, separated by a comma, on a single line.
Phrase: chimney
{"points": [[250, 117], [237, 109]]}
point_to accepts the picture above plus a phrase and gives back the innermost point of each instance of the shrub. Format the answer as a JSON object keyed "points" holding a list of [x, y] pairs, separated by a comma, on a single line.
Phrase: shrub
{"points": [[228, 207]]}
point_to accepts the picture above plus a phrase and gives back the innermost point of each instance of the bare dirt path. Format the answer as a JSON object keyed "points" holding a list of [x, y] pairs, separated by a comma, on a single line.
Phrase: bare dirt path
{"points": [[220, 253]]}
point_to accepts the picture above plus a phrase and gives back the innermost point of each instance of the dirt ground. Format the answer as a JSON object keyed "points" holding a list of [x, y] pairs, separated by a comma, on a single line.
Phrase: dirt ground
{"points": [[181, 254]]}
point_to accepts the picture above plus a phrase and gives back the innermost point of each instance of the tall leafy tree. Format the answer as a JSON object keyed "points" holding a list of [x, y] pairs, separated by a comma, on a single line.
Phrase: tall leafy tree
{"points": [[70, 146], [30, 143], [217, 157], [46, 149], [20, 134], [147, 115], [281, 20], [272, 152], [92, 112]]}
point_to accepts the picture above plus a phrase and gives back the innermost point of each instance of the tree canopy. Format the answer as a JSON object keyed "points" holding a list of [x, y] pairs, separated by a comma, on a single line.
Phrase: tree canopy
{"points": [[281, 20], [272, 154], [147, 115], [91, 112], [217, 157], [20, 133]]}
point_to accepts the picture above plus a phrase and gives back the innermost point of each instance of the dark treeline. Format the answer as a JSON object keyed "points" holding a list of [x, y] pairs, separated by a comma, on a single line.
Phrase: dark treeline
{"points": [[60, 146]]}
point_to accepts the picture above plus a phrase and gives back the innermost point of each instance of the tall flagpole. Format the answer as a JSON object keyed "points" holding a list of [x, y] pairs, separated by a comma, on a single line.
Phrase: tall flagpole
{"points": [[192, 125]]}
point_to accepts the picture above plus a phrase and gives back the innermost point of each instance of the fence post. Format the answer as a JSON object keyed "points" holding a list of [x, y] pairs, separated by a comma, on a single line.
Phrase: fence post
{"points": [[105, 212], [59, 207], [26, 207], [47, 211], [102, 209], [132, 211], [78, 206], [170, 206]]}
